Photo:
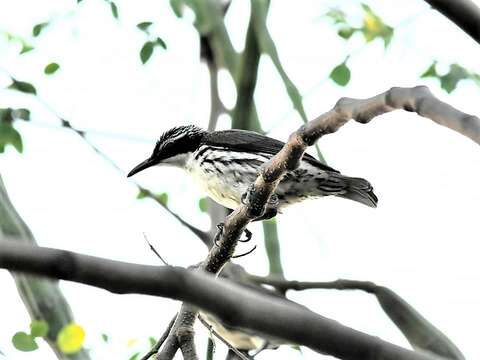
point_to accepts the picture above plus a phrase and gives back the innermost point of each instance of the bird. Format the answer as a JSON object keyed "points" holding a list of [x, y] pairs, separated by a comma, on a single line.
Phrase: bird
{"points": [[225, 163]]}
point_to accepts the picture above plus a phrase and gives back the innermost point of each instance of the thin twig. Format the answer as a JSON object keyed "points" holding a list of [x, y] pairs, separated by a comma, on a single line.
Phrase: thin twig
{"points": [[221, 338], [160, 341], [155, 250]]}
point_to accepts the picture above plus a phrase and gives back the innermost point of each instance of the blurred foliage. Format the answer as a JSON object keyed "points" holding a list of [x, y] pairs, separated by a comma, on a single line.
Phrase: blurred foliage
{"points": [[147, 49], [203, 204], [70, 339], [162, 198], [373, 26], [8, 134], [450, 79], [26, 342]]}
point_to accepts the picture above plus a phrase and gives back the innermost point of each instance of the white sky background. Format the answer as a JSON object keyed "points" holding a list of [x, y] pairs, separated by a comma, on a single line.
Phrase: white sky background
{"points": [[422, 240]]}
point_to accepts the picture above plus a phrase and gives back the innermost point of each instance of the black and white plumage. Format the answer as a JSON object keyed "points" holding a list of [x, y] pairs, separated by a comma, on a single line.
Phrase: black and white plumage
{"points": [[225, 163]]}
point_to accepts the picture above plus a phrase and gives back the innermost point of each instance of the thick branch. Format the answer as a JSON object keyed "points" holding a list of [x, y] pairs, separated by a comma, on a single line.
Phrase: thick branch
{"points": [[234, 305], [464, 13]]}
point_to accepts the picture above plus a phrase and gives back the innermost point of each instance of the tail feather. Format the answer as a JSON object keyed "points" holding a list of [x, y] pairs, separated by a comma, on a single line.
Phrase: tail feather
{"points": [[359, 190]]}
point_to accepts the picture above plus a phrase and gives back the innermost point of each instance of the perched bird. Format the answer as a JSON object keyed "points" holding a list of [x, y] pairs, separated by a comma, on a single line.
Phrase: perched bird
{"points": [[225, 163]]}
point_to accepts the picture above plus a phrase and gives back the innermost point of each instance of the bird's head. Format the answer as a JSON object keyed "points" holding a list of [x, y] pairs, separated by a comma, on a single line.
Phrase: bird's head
{"points": [[173, 147]]}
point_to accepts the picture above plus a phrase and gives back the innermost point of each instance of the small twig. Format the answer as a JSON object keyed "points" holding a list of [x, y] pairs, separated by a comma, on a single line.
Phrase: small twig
{"points": [[155, 250], [160, 342], [221, 338]]}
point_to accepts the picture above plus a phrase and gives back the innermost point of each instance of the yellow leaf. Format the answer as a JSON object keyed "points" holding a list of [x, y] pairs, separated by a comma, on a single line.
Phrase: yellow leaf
{"points": [[131, 342], [70, 338], [372, 23]]}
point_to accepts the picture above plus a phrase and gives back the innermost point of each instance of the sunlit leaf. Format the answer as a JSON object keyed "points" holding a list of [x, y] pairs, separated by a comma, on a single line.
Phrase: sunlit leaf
{"points": [[22, 86], [70, 338], [341, 74], [203, 204], [144, 25], [160, 42], [131, 342], [37, 29], [39, 328], [24, 342], [146, 51], [114, 9], [51, 68], [373, 27]]}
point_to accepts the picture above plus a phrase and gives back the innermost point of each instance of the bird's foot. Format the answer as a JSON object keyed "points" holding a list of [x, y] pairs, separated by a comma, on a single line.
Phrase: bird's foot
{"points": [[248, 235]]}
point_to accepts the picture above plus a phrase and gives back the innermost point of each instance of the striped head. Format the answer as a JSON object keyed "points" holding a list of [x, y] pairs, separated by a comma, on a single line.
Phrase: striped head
{"points": [[173, 148]]}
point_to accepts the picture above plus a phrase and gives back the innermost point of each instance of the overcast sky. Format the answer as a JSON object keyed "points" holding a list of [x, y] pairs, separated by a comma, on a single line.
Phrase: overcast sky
{"points": [[421, 241]]}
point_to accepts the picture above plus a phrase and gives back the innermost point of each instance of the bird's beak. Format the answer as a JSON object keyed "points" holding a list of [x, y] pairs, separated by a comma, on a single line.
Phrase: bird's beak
{"points": [[142, 166]]}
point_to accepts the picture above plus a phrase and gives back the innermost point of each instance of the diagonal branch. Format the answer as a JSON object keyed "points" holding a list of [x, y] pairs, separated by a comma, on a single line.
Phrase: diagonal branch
{"points": [[233, 304]]}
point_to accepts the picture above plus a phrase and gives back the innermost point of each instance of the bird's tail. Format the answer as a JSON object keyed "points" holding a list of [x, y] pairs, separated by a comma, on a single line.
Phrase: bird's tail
{"points": [[359, 190]]}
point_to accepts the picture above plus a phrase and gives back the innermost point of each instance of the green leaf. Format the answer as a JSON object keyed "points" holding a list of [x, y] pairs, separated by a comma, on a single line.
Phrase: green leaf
{"points": [[24, 342], [10, 136], [114, 9], [22, 86], [431, 71], [70, 338], [144, 25], [51, 68], [37, 29], [105, 337], [346, 32], [177, 6], [152, 341], [160, 42], [162, 198], [203, 204], [146, 51], [134, 356], [142, 194], [39, 328], [450, 80], [26, 48], [341, 74]]}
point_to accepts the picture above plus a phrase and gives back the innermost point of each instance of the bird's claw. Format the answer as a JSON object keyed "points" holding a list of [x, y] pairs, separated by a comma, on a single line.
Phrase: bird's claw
{"points": [[248, 235]]}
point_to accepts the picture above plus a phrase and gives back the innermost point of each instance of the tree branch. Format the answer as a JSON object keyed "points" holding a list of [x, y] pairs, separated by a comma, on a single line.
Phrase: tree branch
{"points": [[160, 341], [233, 304], [464, 13]]}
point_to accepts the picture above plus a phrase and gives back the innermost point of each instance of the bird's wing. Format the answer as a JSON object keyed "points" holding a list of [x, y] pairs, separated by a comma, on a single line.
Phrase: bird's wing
{"points": [[249, 141]]}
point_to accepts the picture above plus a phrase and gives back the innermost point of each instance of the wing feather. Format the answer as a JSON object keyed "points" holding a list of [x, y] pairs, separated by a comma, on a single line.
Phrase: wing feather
{"points": [[249, 141]]}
